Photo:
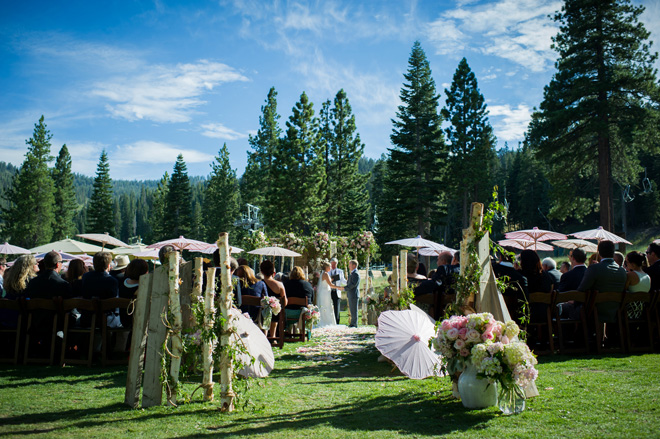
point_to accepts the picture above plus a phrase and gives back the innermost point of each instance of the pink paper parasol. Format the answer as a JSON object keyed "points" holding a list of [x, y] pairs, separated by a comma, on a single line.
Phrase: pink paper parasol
{"points": [[182, 243], [600, 234], [535, 234], [8, 249], [524, 244]]}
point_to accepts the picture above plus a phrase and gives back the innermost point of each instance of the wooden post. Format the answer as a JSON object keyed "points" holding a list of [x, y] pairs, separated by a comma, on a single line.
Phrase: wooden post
{"points": [[395, 278], [208, 345], [152, 393], [403, 270], [138, 341], [198, 277], [175, 310], [226, 371], [366, 290], [469, 235]]}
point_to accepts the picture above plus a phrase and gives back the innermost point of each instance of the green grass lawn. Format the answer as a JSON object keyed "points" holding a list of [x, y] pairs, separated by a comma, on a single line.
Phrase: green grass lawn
{"points": [[351, 395]]}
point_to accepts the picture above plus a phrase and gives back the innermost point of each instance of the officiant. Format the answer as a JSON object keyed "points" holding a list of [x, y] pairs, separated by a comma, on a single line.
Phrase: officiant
{"points": [[336, 274]]}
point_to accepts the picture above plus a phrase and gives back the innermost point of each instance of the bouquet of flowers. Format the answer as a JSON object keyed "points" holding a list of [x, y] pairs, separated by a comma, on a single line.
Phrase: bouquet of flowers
{"points": [[311, 315], [270, 306]]}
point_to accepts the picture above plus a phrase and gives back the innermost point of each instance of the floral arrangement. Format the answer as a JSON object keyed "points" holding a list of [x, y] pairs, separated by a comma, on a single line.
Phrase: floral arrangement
{"points": [[320, 243], [311, 315], [256, 239], [510, 363], [458, 335], [272, 303], [363, 244], [292, 242]]}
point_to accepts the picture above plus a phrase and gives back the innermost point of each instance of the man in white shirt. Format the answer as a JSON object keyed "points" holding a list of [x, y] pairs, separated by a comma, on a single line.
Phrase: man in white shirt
{"points": [[336, 274]]}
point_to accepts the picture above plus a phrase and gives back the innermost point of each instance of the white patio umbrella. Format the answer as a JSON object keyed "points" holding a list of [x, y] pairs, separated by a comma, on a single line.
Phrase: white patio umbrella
{"points": [[418, 242], [276, 251], [103, 238], [433, 251], [151, 253], [249, 336], [403, 337], [571, 244], [214, 247], [600, 234], [67, 245], [8, 249], [524, 244], [130, 250], [182, 243]]}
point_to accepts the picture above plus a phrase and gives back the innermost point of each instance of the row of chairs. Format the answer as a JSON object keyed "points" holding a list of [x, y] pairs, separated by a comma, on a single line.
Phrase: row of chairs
{"points": [[635, 333], [40, 321], [290, 322]]}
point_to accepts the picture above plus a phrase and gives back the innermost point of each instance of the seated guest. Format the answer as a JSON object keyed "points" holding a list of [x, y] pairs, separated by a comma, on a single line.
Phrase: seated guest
{"points": [[619, 258], [517, 283], [119, 267], [3, 268], [653, 270], [550, 266], [538, 281], [570, 281], [636, 282], [16, 279], [129, 285], [274, 288], [604, 277], [74, 276], [565, 267], [421, 269], [445, 274], [297, 286], [412, 265], [250, 286], [162, 254], [98, 282], [593, 259], [48, 283]]}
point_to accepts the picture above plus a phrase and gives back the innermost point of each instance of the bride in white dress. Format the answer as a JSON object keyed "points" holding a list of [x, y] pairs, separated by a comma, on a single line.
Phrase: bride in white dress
{"points": [[324, 299]]}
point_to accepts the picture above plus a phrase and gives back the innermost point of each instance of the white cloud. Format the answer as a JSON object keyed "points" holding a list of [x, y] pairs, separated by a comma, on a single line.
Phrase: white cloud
{"points": [[85, 156], [517, 30], [509, 124], [219, 131], [164, 94], [148, 151]]}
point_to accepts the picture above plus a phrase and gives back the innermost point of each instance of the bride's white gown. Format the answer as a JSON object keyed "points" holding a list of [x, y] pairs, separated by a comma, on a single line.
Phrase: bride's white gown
{"points": [[324, 301]]}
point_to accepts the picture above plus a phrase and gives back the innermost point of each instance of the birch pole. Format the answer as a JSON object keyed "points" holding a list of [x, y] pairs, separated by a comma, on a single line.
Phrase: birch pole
{"points": [[469, 236], [208, 345], [175, 310], [395, 279], [226, 367], [403, 270], [197, 277]]}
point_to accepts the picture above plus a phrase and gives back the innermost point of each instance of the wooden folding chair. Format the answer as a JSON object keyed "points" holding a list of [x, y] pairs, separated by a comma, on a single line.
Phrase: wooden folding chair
{"points": [[256, 302], [39, 331], [110, 334], [612, 299], [295, 320], [543, 299], [581, 322], [644, 319], [90, 306], [16, 333]]}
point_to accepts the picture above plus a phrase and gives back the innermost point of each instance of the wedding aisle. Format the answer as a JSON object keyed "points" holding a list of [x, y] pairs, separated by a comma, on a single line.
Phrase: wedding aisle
{"points": [[334, 345]]}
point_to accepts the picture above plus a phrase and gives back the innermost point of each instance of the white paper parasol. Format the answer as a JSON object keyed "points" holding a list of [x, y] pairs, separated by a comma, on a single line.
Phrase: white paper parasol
{"points": [[67, 245], [600, 234], [130, 250], [430, 251], [524, 244], [274, 251], [182, 243], [103, 238], [587, 246], [403, 337], [65, 256], [151, 253], [214, 247], [414, 242], [8, 249], [249, 335]]}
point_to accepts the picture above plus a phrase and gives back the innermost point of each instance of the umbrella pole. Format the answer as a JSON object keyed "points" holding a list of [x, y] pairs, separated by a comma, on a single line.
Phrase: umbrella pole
{"points": [[226, 368]]}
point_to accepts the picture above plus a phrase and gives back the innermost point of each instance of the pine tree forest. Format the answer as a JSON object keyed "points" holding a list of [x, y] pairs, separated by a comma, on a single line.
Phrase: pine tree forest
{"points": [[308, 172]]}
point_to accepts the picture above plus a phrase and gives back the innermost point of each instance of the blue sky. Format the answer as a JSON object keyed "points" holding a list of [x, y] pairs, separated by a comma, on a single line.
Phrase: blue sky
{"points": [[146, 80]]}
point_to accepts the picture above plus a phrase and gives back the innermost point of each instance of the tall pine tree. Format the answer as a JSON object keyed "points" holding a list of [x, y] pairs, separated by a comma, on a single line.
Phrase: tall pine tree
{"points": [[297, 193], [157, 215], [348, 200], [471, 142], [256, 180], [412, 196], [30, 216], [178, 206], [221, 197], [65, 196], [101, 215], [598, 107]]}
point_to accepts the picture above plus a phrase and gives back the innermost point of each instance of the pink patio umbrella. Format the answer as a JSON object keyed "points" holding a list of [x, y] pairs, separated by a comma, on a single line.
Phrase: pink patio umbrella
{"points": [[435, 251], [600, 234], [151, 253], [8, 249], [182, 243], [104, 239], [524, 244]]}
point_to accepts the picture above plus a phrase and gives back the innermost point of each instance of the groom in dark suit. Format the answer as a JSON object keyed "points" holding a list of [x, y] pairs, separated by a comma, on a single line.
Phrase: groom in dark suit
{"points": [[352, 289]]}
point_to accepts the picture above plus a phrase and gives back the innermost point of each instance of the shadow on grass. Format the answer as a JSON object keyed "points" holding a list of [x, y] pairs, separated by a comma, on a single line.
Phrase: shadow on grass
{"points": [[23, 376]]}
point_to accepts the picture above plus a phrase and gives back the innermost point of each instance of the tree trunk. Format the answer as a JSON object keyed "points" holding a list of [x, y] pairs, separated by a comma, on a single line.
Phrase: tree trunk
{"points": [[175, 310], [226, 368], [208, 345]]}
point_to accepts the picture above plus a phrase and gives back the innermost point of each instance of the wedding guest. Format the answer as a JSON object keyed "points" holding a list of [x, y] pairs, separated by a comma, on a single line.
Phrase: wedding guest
{"points": [[636, 281], [162, 254], [274, 288], [565, 267], [550, 266], [128, 287], [119, 267], [74, 276], [446, 273], [570, 281], [98, 282], [412, 265], [3, 268], [593, 259], [538, 281], [653, 270], [619, 258], [48, 283], [250, 286], [517, 283], [421, 269], [16, 279], [297, 286]]}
